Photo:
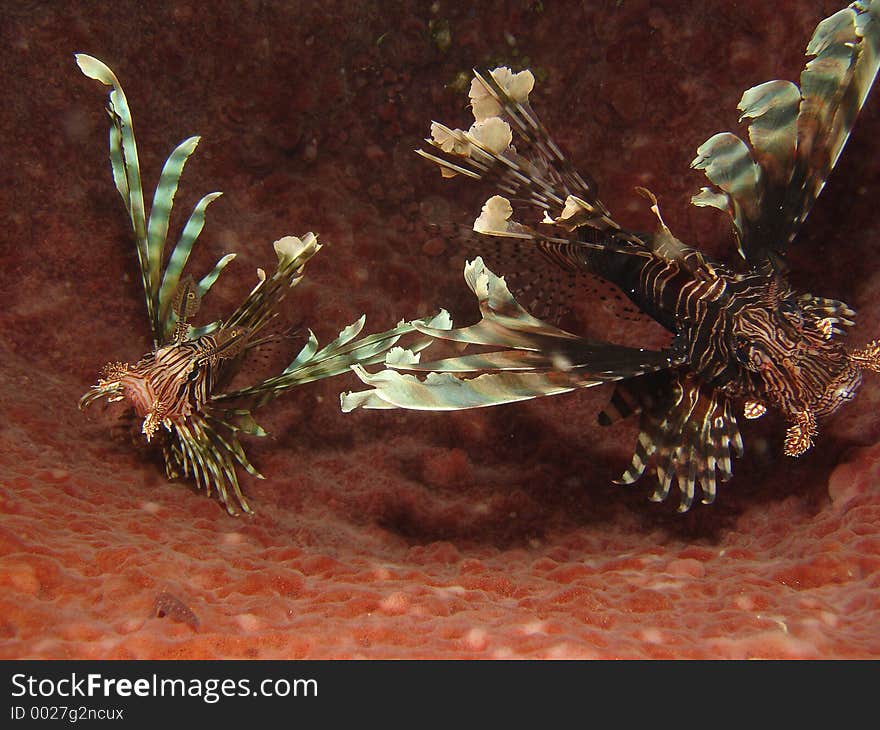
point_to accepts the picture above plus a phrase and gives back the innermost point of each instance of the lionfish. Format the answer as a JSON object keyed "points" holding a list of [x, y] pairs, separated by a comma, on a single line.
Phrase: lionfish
{"points": [[740, 334], [180, 389]]}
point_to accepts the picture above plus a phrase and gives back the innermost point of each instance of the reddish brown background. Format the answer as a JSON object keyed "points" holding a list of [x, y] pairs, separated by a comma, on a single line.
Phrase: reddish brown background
{"points": [[487, 534]]}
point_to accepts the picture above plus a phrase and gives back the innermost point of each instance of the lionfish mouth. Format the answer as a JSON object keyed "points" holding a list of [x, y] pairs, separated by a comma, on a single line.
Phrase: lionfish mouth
{"points": [[109, 385], [112, 391]]}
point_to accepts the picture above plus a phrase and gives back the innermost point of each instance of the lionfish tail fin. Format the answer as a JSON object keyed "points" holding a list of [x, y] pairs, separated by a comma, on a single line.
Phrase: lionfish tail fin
{"points": [[528, 358], [797, 134]]}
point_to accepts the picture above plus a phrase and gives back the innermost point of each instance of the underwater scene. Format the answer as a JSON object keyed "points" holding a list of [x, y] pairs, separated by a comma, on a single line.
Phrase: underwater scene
{"points": [[519, 330]]}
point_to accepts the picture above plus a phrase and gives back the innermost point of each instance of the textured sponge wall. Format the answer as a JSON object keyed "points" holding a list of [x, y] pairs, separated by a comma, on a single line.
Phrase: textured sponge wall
{"points": [[488, 534]]}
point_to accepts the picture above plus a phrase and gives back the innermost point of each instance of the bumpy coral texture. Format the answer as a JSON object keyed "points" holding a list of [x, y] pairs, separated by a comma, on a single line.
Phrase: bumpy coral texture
{"points": [[485, 534]]}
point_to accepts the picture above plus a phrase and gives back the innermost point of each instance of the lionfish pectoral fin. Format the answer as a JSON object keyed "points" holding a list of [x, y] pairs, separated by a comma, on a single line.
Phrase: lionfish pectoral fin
{"points": [[349, 350], [687, 434], [261, 304], [531, 359], [206, 448], [150, 231]]}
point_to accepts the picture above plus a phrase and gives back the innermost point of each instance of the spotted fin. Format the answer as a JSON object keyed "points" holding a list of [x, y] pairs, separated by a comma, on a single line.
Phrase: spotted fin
{"points": [[797, 135], [185, 306], [542, 281]]}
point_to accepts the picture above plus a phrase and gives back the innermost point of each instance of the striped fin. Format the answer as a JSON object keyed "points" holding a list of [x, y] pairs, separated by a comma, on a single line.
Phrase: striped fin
{"points": [[529, 343], [824, 86], [207, 281], [727, 162], [536, 360], [504, 322], [336, 358], [533, 170], [541, 275], [150, 234], [772, 108], [260, 305], [125, 164], [160, 214], [306, 353], [621, 405], [205, 447], [444, 392], [180, 255], [535, 143], [503, 360], [797, 134], [687, 434], [839, 315]]}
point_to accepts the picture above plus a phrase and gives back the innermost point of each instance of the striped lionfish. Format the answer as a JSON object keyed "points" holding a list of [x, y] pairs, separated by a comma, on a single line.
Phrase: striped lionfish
{"points": [[740, 333], [178, 387]]}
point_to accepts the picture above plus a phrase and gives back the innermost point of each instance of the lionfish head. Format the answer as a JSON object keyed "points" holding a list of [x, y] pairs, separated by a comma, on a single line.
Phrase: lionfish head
{"points": [[155, 392], [793, 346]]}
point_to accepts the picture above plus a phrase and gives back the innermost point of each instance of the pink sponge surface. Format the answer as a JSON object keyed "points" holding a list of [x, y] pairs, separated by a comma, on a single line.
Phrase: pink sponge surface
{"points": [[490, 534]]}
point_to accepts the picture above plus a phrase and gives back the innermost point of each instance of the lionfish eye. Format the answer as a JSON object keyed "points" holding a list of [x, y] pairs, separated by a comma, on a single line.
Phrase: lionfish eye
{"points": [[742, 351], [750, 353]]}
